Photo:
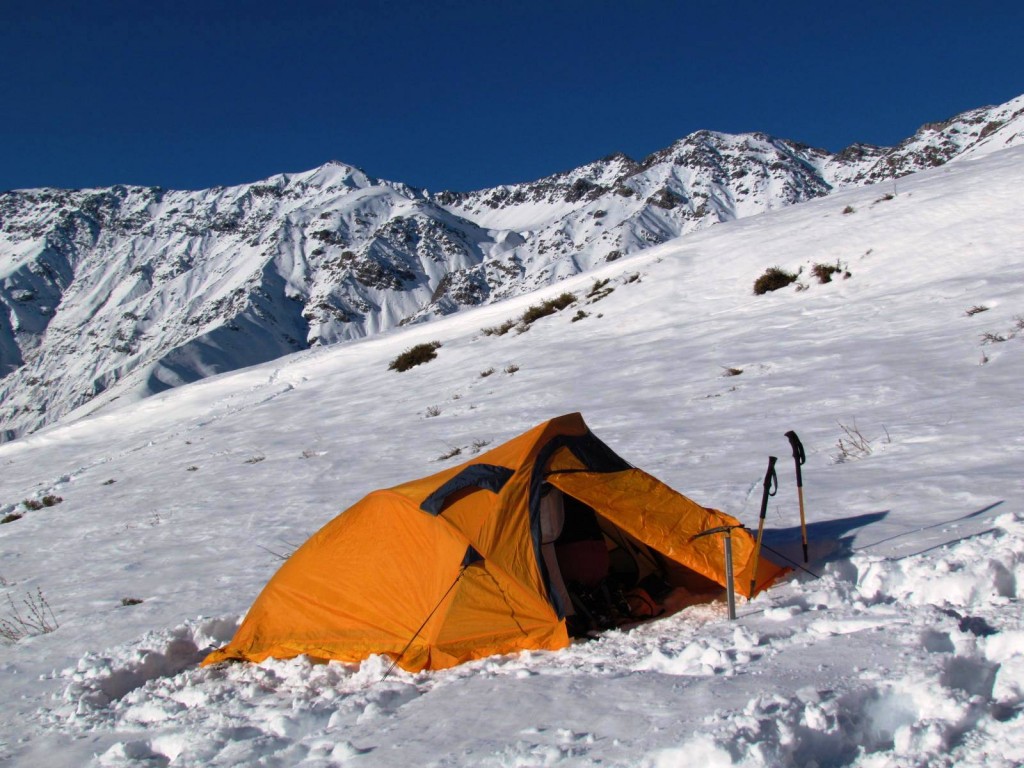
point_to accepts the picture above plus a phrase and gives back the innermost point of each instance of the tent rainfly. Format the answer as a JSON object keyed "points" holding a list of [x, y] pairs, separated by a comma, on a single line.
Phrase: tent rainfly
{"points": [[492, 557]]}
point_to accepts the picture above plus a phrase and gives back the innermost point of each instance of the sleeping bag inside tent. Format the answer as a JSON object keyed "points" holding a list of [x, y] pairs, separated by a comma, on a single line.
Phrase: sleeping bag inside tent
{"points": [[547, 535]]}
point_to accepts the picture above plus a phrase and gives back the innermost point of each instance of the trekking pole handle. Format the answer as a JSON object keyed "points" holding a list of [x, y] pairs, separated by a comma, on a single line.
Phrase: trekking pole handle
{"points": [[798, 456], [771, 484]]}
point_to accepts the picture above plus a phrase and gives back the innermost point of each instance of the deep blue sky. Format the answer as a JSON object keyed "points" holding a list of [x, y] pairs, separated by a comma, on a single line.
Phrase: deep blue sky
{"points": [[465, 95]]}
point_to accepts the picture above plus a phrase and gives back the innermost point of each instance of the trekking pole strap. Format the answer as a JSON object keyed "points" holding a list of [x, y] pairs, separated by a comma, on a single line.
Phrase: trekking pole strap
{"points": [[798, 456], [771, 484], [798, 459]]}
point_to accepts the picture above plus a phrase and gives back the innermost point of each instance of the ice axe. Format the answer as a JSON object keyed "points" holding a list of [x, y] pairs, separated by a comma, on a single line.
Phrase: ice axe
{"points": [[798, 459], [771, 485], [730, 588]]}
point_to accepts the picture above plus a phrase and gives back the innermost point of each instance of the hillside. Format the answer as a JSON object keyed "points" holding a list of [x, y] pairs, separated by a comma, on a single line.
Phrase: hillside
{"points": [[903, 649], [110, 295]]}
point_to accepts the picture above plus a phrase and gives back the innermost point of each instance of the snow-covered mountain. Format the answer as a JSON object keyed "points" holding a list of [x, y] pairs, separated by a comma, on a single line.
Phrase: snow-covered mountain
{"points": [[149, 529], [119, 293]]}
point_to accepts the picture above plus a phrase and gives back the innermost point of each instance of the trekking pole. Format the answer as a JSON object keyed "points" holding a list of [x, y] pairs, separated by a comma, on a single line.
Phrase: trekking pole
{"points": [[798, 459], [730, 589], [771, 485]]}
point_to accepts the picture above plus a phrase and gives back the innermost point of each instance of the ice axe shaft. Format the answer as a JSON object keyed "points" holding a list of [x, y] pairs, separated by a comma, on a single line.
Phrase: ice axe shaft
{"points": [[771, 485], [730, 592], [798, 459], [730, 589]]}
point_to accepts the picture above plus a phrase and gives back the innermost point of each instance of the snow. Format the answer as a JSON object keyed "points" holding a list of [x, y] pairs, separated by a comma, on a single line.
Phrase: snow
{"points": [[902, 646]]}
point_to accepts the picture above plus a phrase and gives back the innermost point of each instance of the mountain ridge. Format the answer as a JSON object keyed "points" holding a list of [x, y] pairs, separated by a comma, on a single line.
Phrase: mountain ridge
{"points": [[126, 291]]}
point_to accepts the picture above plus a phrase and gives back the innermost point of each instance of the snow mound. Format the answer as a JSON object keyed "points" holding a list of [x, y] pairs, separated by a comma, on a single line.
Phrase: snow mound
{"points": [[978, 571], [961, 682], [100, 681]]}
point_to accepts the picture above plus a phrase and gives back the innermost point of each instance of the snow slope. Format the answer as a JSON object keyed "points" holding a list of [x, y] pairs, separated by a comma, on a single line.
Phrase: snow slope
{"points": [[906, 646]]}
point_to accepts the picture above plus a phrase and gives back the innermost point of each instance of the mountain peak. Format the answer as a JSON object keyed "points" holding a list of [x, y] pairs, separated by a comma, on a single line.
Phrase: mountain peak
{"points": [[121, 292], [336, 174]]}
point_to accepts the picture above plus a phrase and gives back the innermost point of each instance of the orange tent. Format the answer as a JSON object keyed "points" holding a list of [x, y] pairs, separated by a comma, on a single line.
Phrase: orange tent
{"points": [[457, 566]]}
